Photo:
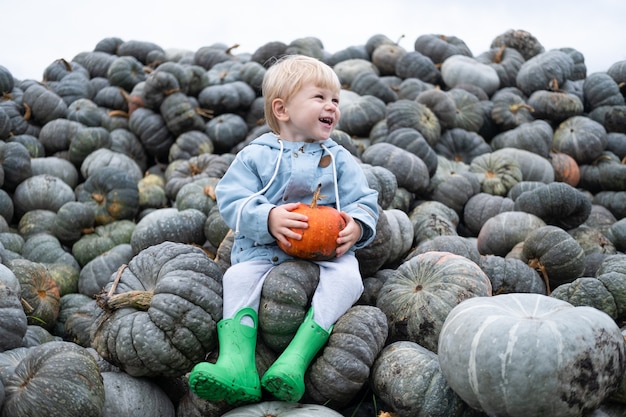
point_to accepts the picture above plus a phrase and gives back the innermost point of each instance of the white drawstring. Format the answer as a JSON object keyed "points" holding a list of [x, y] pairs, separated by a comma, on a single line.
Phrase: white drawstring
{"points": [[276, 167], [332, 158], [264, 189]]}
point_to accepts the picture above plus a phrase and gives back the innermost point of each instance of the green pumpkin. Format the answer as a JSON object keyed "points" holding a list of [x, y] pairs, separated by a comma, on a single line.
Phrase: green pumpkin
{"points": [[126, 394], [343, 369], [418, 297], [580, 137], [226, 131], [359, 116], [410, 170], [102, 239], [45, 105], [43, 192], [126, 72], [555, 254], [432, 218], [179, 114], [555, 106], [481, 207], [510, 275], [369, 86], [13, 325], [38, 290], [497, 173], [461, 145], [61, 367], [285, 299], [491, 347], [83, 110], [543, 69], [408, 378], [112, 193], [410, 113], [556, 203], [174, 294], [169, 224]]}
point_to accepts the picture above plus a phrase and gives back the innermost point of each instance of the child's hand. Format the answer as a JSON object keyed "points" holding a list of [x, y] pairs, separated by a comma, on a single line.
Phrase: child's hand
{"points": [[349, 235], [282, 218]]}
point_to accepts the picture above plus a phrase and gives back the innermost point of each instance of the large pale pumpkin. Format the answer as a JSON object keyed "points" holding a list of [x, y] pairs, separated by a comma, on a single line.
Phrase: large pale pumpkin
{"points": [[531, 355], [282, 409]]}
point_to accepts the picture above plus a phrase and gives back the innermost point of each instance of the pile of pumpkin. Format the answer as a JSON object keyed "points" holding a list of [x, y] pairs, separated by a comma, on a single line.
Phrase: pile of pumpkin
{"points": [[496, 284]]}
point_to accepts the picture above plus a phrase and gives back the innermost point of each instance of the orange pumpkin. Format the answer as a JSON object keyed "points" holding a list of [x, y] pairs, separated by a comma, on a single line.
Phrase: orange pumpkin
{"points": [[566, 168], [319, 240]]}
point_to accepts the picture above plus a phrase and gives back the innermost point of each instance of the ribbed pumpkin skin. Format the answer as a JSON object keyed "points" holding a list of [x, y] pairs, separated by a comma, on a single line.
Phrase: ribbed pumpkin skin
{"points": [[39, 291], [344, 367], [555, 253], [408, 378], [13, 324], [61, 378], [417, 298], [286, 295], [531, 355], [282, 409], [126, 395], [160, 320]]}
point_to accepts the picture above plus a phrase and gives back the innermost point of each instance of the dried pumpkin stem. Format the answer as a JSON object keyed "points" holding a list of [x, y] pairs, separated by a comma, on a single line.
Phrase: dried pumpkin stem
{"points": [[535, 264], [139, 300], [317, 195], [110, 301]]}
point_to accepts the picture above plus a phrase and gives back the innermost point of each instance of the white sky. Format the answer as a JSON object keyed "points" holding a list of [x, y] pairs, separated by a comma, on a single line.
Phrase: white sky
{"points": [[34, 34]]}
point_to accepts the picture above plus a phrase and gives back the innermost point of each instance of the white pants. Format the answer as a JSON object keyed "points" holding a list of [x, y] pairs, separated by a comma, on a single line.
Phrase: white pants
{"points": [[340, 286]]}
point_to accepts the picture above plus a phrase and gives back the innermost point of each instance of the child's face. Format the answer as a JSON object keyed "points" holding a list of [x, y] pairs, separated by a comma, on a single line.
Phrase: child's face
{"points": [[311, 114]]}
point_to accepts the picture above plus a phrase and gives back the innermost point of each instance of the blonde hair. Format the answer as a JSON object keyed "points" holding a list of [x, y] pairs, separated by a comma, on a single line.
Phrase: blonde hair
{"points": [[287, 75]]}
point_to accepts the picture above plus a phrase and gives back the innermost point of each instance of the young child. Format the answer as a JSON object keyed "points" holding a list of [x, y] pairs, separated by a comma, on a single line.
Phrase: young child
{"points": [[256, 197]]}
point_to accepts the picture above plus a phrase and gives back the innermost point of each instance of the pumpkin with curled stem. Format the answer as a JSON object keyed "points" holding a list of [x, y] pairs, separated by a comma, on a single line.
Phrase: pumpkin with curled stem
{"points": [[319, 240], [491, 347], [158, 315]]}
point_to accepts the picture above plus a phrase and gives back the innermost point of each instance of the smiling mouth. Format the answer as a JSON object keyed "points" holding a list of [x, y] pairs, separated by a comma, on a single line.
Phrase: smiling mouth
{"points": [[326, 120]]}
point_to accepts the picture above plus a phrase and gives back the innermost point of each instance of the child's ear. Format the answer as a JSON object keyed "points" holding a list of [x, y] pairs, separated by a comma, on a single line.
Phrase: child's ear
{"points": [[279, 109]]}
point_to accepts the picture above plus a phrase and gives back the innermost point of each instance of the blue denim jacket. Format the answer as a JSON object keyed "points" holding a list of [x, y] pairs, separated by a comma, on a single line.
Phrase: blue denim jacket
{"points": [[258, 180]]}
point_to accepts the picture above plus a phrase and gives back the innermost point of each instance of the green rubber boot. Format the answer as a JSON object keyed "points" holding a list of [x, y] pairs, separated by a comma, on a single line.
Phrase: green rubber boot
{"points": [[233, 377], [285, 378]]}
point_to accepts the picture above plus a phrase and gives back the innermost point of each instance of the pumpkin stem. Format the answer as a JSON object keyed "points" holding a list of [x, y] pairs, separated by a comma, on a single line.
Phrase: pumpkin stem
{"points": [[554, 85], [27, 307], [118, 113], [535, 264], [497, 58], [229, 50], [206, 113], [514, 108], [27, 112], [139, 300], [317, 196], [110, 301]]}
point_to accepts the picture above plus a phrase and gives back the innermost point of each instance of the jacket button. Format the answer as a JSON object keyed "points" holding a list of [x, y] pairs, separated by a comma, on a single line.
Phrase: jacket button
{"points": [[275, 259]]}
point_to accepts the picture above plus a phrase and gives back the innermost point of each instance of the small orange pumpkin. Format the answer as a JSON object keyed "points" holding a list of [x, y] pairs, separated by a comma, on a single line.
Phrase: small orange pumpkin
{"points": [[566, 169], [319, 240]]}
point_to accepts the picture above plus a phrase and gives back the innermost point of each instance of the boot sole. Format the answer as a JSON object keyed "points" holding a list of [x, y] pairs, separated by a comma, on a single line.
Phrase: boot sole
{"points": [[282, 388], [212, 389]]}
